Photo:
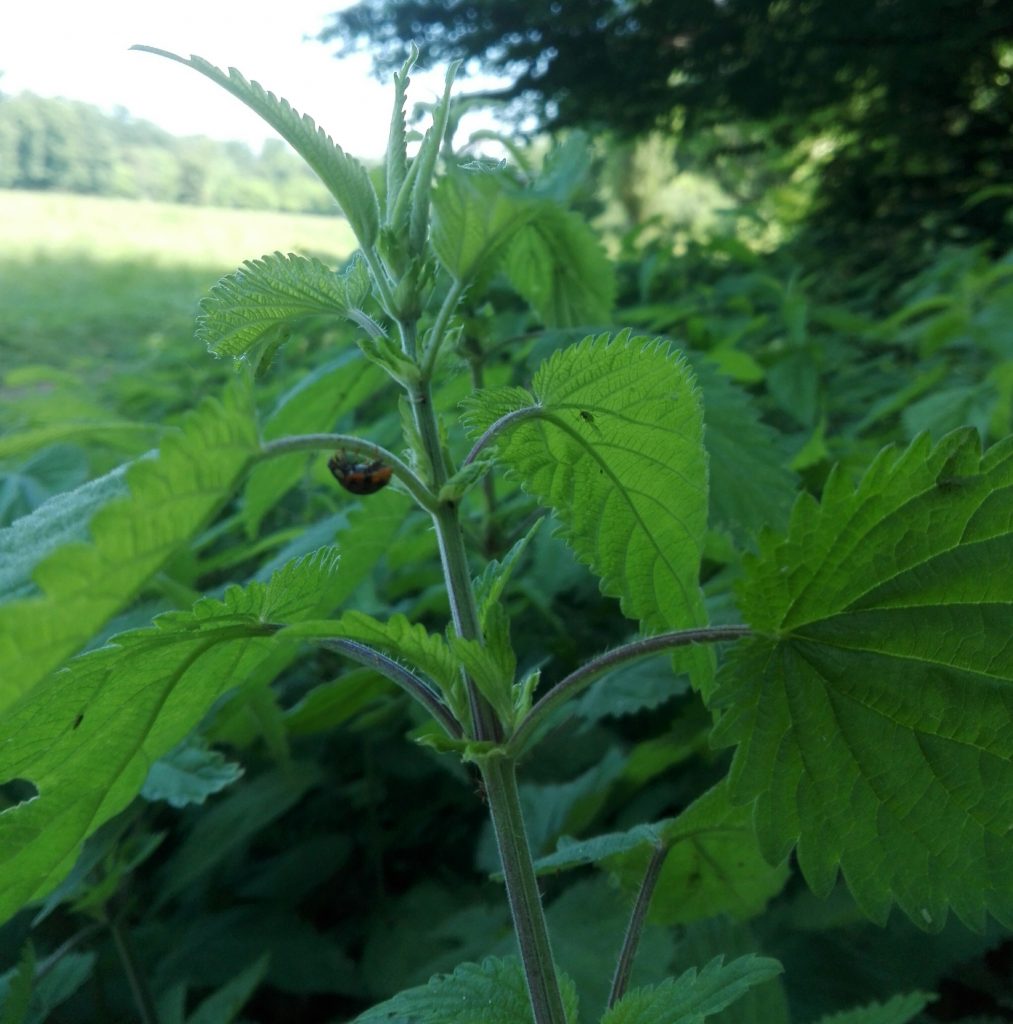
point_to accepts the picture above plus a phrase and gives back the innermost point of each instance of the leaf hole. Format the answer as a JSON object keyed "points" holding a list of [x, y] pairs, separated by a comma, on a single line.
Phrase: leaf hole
{"points": [[15, 792]]}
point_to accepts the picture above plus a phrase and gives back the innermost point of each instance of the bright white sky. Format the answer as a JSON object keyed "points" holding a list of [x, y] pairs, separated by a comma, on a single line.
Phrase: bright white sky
{"points": [[80, 50]]}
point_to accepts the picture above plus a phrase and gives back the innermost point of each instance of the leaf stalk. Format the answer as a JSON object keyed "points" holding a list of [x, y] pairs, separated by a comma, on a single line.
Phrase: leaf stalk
{"points": [[580, 679]]}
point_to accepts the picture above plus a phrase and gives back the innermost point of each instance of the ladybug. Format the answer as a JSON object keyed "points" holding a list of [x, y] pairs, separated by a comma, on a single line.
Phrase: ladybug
{"points": [[359, 477]]}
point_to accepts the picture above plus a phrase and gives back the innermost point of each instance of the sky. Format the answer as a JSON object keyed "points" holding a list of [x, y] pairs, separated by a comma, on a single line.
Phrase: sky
{"points": [[81, 51]]}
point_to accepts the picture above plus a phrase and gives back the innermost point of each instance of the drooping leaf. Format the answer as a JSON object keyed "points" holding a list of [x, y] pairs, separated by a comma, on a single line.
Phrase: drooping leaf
{"points": [[250, 308], [189, 774], [898, 1010], [713, 864], [695, 995], [346, 179], [492, 992], [82, 585], [874, 712], [556, 263], [611, 437], [86, 737]]}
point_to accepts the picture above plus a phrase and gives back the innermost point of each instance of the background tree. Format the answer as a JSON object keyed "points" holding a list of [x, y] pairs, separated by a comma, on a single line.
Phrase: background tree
{"points": [[911, 99]]}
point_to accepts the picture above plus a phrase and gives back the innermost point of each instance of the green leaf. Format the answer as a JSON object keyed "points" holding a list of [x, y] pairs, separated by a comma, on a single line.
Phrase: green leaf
{"points": [[898, 1010], [82, 585], [121, 432], [491, 664], [246, 310], [396, 165], [87, 736], [874, 717], [425, 166], [189, 774], [223, 1006], [694, 996], [346, 179], [490, 585], [751, 486], [58, 521], [54, 983], [556, 263], [714, 864], [492, 992], [16, 988], [408, 641], [474, 217], [612, 439], [230, 823]]}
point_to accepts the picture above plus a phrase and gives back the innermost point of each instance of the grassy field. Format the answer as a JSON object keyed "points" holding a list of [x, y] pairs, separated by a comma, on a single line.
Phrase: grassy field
{"points": [[86, 281]]}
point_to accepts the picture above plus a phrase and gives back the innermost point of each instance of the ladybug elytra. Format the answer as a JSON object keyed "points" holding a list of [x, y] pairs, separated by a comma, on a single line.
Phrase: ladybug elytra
{"points": [[359, 477]]}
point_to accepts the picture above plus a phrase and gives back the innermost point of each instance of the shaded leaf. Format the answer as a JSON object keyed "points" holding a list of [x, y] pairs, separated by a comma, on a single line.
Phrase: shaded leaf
{"points": [[694, 996], [87, 736], [874, 715], [492, 992], [82, 585]]}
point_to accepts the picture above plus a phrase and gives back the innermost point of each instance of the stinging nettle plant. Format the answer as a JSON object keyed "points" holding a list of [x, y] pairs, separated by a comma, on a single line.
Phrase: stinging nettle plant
{"points": [[867, 693]]}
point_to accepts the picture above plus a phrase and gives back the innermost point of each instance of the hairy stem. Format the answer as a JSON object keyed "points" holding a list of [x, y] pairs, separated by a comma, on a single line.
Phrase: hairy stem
{"points": [[579, 680], [624, 966], [499, 776], [399, 675], [357, 446]]}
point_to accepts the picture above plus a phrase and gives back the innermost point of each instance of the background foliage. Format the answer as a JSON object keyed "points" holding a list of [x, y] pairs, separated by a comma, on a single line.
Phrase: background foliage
{"points": [[296, 855]]}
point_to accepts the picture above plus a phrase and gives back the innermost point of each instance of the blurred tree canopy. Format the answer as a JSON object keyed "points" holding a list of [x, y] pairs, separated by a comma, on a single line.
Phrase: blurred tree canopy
{"points": [[912, 99]]}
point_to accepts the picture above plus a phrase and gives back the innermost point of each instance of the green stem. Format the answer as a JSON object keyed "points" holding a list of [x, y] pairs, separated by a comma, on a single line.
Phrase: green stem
{"points": [[439, 328], [579, 680], [135, 977], [499, 776], [415, 687], [358, 446], [624, 967]]}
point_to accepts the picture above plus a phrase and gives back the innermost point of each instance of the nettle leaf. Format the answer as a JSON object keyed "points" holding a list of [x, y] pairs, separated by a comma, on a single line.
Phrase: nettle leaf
{"points": [[247, 311], [875, 716], [751, 486], [898, 1010], [713, 866], [80, 586], [556, 263], [345, 178], [492, 992], [474, 217], [86, 738], [695, 995], [612, 439]]}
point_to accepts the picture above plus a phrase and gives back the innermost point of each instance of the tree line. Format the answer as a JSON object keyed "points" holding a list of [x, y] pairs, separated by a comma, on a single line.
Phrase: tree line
{"points": [[68, 146]]}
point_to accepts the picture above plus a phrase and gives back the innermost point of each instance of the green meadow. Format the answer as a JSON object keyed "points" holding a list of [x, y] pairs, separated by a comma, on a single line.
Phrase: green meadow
{"points": [[89, 284]]}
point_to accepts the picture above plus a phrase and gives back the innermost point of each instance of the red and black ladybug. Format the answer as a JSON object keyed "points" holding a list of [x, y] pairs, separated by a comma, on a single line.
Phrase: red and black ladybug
{"points": [[359, 477]]}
